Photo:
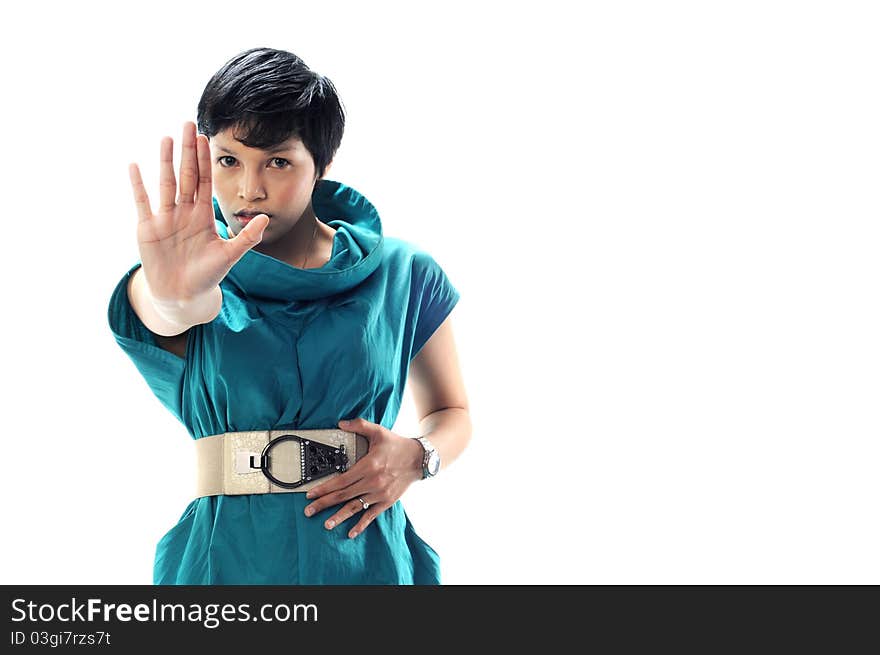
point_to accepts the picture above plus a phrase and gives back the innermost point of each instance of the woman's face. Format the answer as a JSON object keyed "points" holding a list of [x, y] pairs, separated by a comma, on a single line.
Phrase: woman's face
{"points": [[277, 182]]}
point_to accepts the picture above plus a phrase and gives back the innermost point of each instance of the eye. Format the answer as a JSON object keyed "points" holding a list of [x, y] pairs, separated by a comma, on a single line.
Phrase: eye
{"points": [[284, 163]]}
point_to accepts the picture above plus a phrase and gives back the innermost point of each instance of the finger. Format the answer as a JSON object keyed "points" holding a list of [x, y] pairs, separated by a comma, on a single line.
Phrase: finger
{"points": [[363, 427], [345, 512], [189, 172], [332, 494], [167, 183], [203, 151], [141, 200], [366, 518], [331, 490], [340, 482]]}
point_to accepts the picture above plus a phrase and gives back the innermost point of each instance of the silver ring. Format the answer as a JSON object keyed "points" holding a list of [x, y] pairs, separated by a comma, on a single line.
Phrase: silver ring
{"points": [[363, 502]]}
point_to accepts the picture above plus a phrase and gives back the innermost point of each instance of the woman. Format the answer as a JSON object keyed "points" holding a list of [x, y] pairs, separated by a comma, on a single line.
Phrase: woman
{"points": [[278, 307]]}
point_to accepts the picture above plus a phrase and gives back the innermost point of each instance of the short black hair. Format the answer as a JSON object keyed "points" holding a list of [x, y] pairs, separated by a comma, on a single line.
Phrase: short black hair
{"points": [[268, 96]]}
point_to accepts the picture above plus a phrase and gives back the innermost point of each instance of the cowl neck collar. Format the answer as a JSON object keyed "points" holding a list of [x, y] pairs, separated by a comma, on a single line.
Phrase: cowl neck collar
{"points": [[357, 251]]}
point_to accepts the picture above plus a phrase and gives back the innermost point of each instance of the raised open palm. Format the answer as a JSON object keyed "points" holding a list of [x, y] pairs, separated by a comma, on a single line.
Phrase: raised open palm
{"points": [[182, 254]]}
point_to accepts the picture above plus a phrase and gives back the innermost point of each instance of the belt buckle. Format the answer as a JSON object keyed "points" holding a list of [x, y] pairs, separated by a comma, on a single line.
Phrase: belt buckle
{"points": [[317, 460]]}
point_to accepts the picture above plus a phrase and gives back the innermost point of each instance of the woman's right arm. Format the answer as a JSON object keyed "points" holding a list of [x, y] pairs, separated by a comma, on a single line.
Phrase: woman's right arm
{"points": [[170, 321], [183, 256]]}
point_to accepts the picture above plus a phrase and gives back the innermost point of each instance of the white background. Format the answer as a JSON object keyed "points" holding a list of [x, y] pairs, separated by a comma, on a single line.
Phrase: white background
{"points": [[662, 219]]}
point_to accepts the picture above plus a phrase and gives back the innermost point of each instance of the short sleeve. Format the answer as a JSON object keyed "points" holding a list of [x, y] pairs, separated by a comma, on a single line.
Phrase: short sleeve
{"points": [[434, 297], [163, 371]]}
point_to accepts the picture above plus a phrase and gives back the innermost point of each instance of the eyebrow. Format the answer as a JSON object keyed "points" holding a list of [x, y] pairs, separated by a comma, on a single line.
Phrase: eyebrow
{"points": [[271, 150]]}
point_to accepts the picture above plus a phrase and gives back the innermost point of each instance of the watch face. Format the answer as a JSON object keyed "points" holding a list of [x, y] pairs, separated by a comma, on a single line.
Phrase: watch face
{"points": [[433, 463]]}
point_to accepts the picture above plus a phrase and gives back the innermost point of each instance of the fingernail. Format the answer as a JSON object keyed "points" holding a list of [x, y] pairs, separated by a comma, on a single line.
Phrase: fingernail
{"points": [[310, 511], [330, 524], [310, 494], [352, 535]]}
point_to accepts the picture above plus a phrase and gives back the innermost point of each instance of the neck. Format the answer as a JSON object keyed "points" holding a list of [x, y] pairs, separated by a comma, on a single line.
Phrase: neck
{"points": [[297, 245]]}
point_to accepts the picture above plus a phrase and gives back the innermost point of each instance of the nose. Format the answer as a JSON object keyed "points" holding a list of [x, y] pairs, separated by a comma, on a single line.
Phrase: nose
{"points": [[252, 187]]}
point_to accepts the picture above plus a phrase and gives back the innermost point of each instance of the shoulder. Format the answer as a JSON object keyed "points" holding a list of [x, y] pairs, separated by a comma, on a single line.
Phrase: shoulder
{"points": [[406, 253]]}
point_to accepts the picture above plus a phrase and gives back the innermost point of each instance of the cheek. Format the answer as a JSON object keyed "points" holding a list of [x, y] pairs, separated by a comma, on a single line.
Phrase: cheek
{"points": [[293, 191], [219, 181]]}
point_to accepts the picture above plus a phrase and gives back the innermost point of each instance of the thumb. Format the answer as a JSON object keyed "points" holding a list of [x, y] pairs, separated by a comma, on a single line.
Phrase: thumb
{"points": [[363, 427], [251, 235]]}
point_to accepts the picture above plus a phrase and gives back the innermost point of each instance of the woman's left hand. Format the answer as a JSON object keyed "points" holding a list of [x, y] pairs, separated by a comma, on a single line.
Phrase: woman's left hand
{"points": [[380, 477]]}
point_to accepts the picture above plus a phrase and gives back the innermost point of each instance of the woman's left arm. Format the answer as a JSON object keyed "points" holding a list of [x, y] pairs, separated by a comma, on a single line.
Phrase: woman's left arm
{"points": [[439, 395], [394, 462]]}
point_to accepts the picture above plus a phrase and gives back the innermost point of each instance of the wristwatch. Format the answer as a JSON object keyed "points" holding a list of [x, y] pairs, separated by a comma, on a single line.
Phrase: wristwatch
{"points": [[431, 459]]}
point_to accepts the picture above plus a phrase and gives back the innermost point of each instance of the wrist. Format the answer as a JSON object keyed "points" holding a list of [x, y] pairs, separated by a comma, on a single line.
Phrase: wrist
{"points": [[430, 464], [415, 458], [192, 311]]}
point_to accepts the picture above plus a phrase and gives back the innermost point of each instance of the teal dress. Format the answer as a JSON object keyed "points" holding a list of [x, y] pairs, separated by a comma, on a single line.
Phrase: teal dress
{"points": [[294, 348]]}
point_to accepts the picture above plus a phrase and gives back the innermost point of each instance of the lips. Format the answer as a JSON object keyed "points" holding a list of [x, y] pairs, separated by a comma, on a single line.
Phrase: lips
{"points": [[245, 218]]}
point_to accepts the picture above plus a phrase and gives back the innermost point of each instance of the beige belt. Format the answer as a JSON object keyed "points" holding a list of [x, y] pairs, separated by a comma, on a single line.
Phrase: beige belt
{"points": [[273, 461]]}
